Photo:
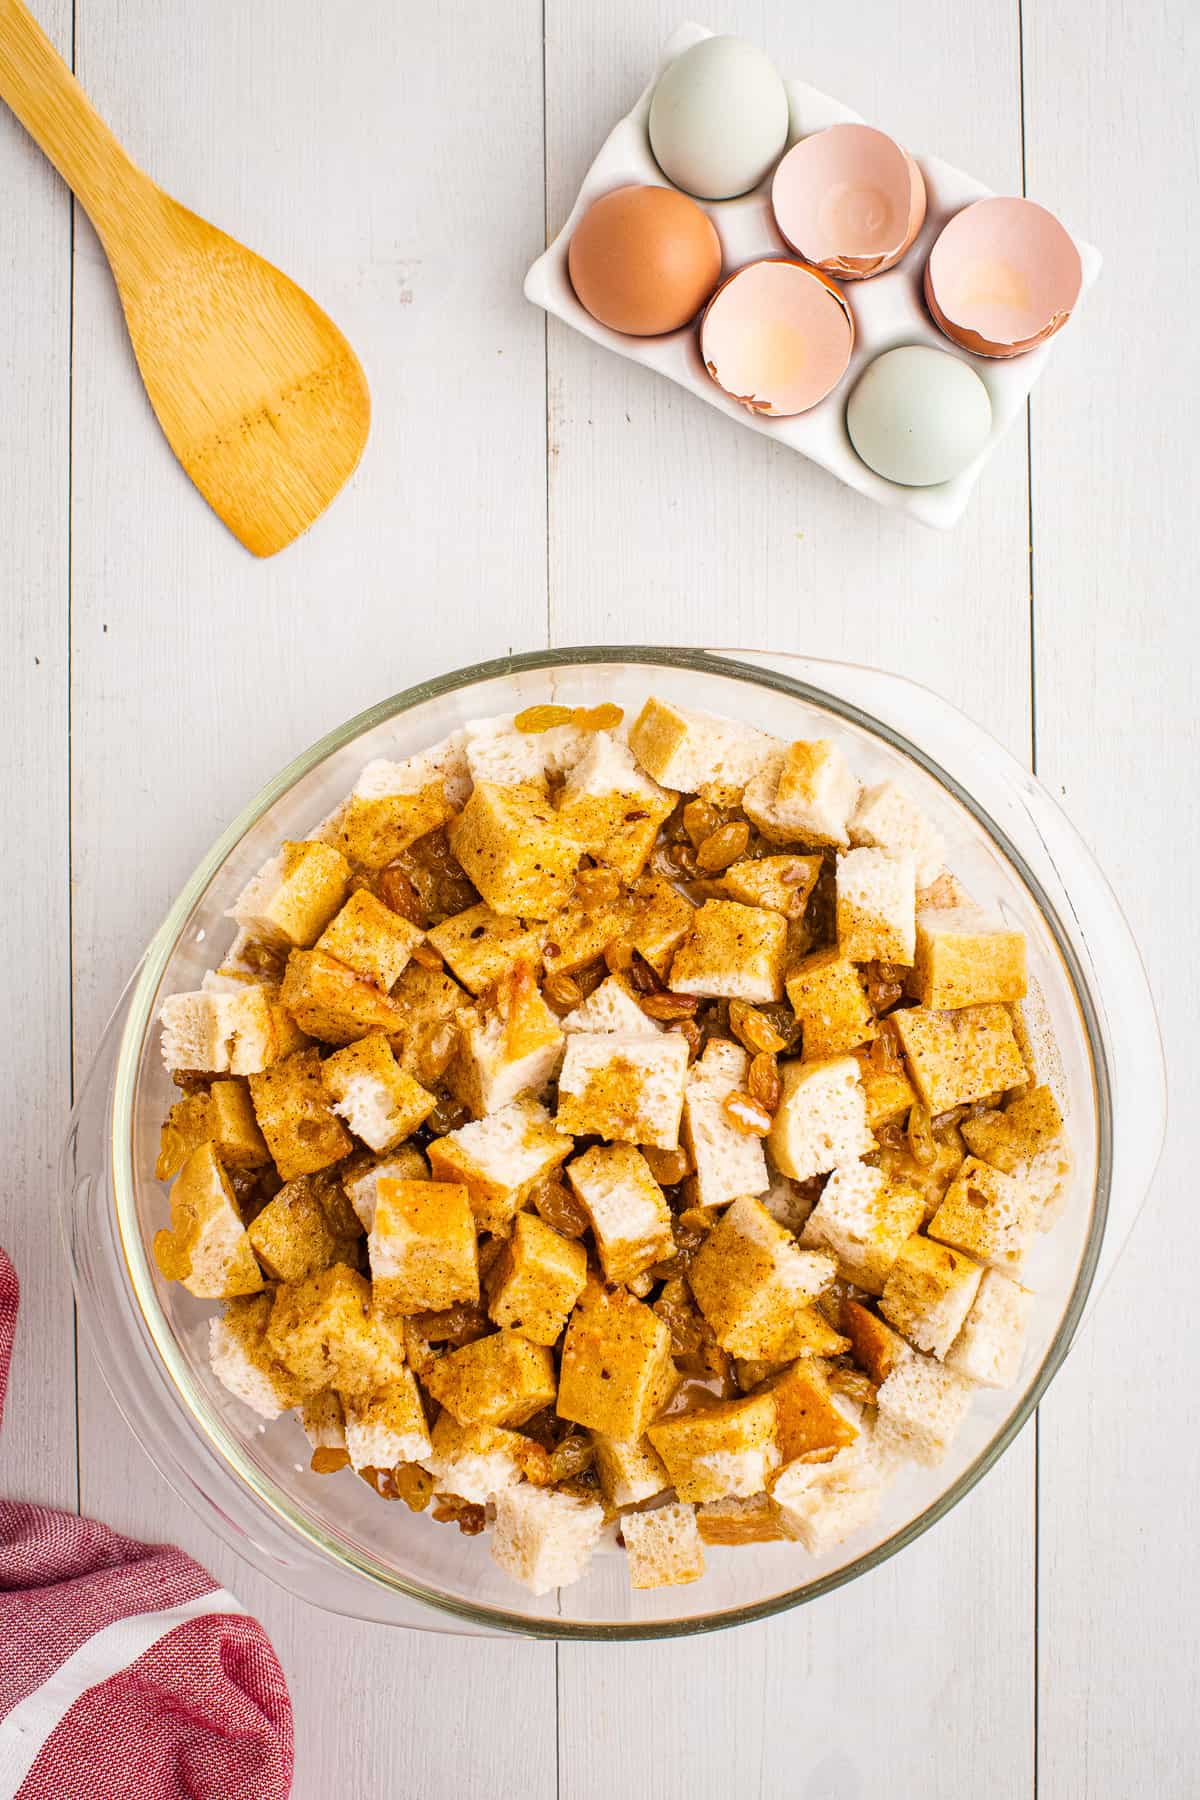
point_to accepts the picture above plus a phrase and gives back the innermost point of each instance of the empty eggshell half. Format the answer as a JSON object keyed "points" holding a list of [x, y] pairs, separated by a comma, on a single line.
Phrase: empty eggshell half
{"points": [[1002, 277], [918, 416], [777, 337], [849, 200]]}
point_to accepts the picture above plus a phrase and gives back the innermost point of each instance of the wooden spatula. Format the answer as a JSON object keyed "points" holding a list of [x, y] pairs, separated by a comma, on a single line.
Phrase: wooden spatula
{"points": [[260, 396]]}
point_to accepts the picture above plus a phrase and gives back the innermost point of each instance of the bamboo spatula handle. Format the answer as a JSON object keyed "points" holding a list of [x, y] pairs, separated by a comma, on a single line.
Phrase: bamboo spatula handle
{"points": [[59, 117]]}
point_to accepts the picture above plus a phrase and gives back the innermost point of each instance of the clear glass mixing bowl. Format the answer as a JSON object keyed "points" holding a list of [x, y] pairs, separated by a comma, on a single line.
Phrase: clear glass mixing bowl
{"points": [[329, 1538]]}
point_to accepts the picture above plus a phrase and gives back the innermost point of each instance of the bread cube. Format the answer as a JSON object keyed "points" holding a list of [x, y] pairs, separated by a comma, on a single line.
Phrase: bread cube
{"points": [[963, 959], [928, 1293], [663, 1547], [614, 1085], [515, 850], [611, 808], [324, 1421], [1044, 1178], [241, 1361], [810, 1421], [610, 1007], [330, 1001], [821, 1120], [888, 1091], [986, 1214], [989, 1348], [754, 1520], [388, 1426], [1025, 1128], [371, 939], [874, 1345], [422, 1247], [326, 1333], [430, 1005], [628, 1471], [696, 752], [616, 1373], [876, 907], [508, 1045], [291, 1236], [294, 1115], [536, 1280], [630, 1218], [380, 1102], [886, 818], [390, 806], [727, 1162], [781, 883], [726, 1447], [498, 1380], [805, 796], [822, 1504], [500, 1159], [476, 1461], [921, 1406], [659, 919], [498, 752], [733, 951], [957, 1057], [544, 1539], [750, 1280], [220, 1114], [827, 995], [864, 1220], [481, 946], [360, 1179], [294, 895], [223, 1033], [206, 1247]]}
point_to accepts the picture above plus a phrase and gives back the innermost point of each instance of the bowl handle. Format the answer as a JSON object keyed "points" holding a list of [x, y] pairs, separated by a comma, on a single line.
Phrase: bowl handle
{"points": [[1087, 908]]}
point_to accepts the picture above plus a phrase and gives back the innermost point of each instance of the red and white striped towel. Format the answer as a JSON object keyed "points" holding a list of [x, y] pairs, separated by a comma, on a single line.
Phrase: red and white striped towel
{"points": [[124, 1670]]}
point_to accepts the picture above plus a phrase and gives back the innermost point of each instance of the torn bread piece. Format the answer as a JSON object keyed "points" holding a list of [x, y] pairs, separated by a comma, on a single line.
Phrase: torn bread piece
{"points": [[663, 1547], [544, 1539], [888, 818]]}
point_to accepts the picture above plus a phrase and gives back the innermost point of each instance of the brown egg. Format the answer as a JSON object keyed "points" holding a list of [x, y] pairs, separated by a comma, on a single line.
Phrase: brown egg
{"points": [[1002, 277], [643, 260]]}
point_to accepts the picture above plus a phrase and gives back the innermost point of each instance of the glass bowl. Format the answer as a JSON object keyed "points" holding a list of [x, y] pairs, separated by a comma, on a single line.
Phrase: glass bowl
{"points": [[329, 1538]]}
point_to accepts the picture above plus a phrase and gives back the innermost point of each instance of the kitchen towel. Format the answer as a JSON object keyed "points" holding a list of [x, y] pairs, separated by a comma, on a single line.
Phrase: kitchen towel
{"points": [[124, 1669]]}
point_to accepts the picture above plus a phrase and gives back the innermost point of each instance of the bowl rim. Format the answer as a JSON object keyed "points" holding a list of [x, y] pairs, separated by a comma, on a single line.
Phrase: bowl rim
{"points": [[216, 1437]]}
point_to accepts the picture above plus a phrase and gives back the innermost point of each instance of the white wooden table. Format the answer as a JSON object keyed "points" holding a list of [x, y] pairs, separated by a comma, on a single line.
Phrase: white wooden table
{"points": [[405, 162]]}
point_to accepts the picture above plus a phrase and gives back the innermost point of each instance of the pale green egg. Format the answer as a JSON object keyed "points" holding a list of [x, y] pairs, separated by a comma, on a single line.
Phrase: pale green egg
{"points": [[918, 416]]}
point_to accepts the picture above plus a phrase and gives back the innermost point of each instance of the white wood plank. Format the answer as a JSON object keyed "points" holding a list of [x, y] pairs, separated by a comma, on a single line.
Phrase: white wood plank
{"points": [[35, 304], [1114, 482], [357, 148], [668, 523]]}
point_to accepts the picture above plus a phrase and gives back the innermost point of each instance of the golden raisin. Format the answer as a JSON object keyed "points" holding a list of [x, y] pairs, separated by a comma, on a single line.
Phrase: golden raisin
{"points": [[543, 718], [447, 1115], [763, 1084], [380, 1480], [605, 717], [596, 887], [427, 956], [559, 1208], [414, 1485], [398, 891], [327, 1460], [754, 1030], [884, 984], [668, 1166], [667, 1007], [562, 992], [618, 956], [747, 1114], [689, 1029], [571, 1458], [724, 846], [450, 1510], [700, 820], [588, 980], [921, 1140]]}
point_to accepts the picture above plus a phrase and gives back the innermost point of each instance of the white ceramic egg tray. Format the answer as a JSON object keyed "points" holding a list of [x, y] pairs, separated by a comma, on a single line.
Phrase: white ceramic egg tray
{"points": [[888, 309]]}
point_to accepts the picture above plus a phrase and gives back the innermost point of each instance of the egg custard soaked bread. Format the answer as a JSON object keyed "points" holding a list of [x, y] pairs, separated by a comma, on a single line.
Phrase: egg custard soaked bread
{"points": [[613, 1134]]}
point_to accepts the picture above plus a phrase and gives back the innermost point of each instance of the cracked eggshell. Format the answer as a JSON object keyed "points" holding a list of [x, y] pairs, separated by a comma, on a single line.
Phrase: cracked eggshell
{"points": [[849, 200], [1003, 276], [777, 336]]}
